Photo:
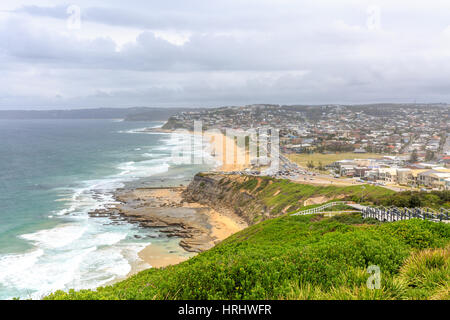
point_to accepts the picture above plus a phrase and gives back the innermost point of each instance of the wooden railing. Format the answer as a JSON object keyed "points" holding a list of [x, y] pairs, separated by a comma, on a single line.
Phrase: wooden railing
{"points": [[319, 209], [391, 214], [388, 214]]}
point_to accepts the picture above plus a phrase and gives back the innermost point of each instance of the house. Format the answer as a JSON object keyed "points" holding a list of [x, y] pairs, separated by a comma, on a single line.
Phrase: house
{"points": [[337, 164], [388, 175], [447, 184], [347, 170], [445, 161], [372, 175], [441, 183], [413, 177], [361, 171], [403, 176], [434, 179]]}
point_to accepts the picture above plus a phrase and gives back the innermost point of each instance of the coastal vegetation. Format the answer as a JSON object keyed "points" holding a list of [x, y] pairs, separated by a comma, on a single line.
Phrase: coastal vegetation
{"points": [[413, 199], [281, 195], [260, 198], [281, 256], [303, 257]]}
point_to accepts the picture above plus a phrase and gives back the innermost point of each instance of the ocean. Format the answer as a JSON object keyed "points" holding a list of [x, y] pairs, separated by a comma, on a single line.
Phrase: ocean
{"points": [[52, 174]]}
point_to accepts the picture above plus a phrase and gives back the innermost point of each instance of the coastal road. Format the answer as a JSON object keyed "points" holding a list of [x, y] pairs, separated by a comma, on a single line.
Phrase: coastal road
{"points": [[315, 178]]}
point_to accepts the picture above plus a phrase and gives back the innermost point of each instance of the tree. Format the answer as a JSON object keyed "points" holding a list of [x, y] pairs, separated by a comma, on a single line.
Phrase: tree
{"points": [[413, 158], [310, 165], [320, 166], [429, 156], [414, 201]]}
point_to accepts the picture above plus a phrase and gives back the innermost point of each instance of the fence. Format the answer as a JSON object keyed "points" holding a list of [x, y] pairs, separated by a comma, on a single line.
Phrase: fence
{"points": [[394, 214], [319, 209], [389, 214]]}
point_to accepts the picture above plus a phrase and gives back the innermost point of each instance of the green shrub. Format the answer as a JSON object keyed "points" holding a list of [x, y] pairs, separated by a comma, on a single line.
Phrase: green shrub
{"points": [[427, 274], [293, 257]]}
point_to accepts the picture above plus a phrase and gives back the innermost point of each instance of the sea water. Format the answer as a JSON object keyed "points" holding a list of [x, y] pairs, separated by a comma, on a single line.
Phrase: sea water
{"points": [[52, 174]]}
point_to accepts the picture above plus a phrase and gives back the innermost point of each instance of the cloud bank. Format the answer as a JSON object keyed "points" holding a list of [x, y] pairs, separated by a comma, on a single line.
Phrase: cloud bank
{"points": [[209, 53]]}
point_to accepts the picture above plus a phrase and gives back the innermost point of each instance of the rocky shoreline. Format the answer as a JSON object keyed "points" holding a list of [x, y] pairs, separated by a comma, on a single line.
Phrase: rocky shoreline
{"points": [[175, 212], [198, 226]]}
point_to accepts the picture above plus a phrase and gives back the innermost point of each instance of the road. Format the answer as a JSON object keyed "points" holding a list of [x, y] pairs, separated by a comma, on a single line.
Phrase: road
{"points": [[302, 175]]}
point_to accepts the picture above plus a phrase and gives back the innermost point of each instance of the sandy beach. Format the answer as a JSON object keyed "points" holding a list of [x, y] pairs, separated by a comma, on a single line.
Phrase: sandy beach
{"points": [[190, 226], [224, 150], [227, 152], [198, 226], [160, 255]]}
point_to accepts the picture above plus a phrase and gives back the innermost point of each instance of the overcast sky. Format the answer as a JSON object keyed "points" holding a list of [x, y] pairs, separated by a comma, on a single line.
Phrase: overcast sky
{"points": [[227, 52]]}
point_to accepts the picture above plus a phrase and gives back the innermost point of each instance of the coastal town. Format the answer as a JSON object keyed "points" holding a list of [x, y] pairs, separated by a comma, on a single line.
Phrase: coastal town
{"points": [[401, 146], [225, 159]]}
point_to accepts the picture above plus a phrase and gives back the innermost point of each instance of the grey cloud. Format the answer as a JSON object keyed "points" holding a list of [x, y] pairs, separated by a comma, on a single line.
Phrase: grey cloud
{"points": [[198, 15], [238, 53]]}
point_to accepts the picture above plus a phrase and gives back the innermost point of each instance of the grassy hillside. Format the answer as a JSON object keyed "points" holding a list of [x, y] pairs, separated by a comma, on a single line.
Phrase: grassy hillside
{"points": [[286, 195], [303, 257], [282, 196]]}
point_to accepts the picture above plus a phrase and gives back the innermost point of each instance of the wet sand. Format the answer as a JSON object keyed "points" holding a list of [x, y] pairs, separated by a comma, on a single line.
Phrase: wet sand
{"points": [[190, 227], [224, 150], [159, 254]]}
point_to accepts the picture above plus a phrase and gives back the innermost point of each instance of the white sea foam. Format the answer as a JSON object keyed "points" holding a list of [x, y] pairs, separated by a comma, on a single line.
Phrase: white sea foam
{"points": [[83, 252], [134, 170], [109, 238], [144, 130], [148, 155], [13, 264], [58, 237]]}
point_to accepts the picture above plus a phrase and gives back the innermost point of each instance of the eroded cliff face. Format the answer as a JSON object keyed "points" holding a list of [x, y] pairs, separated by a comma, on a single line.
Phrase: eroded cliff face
{"points": [[225, 193]]}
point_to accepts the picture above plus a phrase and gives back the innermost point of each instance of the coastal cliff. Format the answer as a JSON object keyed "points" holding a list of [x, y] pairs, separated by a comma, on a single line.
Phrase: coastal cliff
{"points": [[173, 124], [230, 193], [256, 199], [197, 226], [329, 255]]}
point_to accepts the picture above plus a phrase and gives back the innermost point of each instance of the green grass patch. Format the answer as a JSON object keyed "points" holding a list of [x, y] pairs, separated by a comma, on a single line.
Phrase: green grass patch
{"points": [[279, 194], [301, 257], [326, 159]]}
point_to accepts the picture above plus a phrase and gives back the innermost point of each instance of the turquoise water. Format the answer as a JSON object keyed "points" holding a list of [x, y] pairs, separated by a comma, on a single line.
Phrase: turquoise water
{"points": [[52, 173]]}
